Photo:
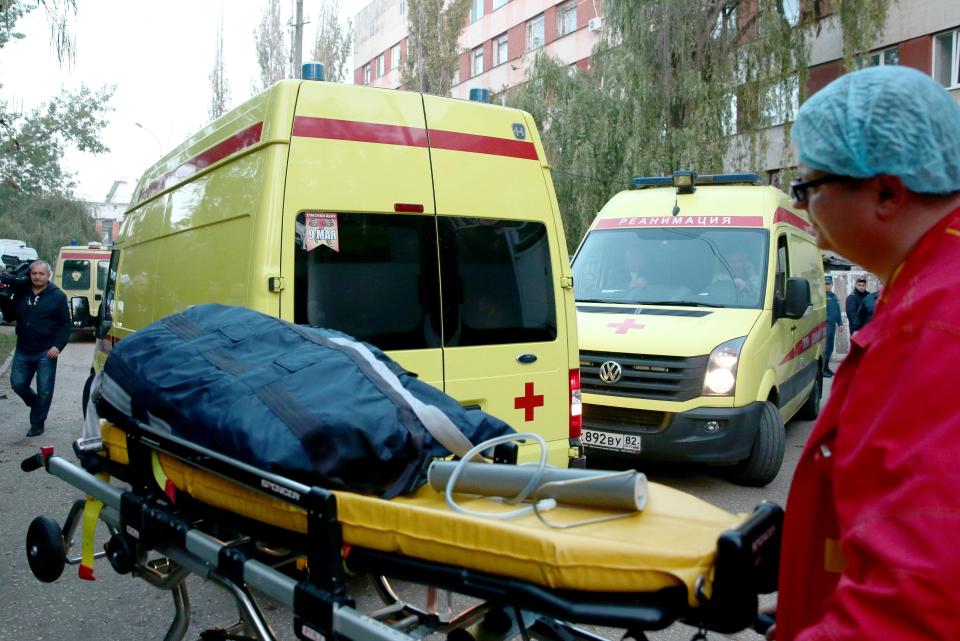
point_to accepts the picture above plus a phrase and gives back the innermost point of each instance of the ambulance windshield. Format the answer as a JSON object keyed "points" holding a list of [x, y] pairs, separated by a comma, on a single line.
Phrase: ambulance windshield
{"points": [[661, 265]]}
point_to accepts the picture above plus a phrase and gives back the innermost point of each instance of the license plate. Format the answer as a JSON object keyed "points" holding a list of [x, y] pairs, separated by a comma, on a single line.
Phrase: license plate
{"points": [[611, 441]]}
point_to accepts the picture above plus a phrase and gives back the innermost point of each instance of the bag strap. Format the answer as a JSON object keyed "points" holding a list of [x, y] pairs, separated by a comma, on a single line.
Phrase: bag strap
{"points": [[433, 418]]}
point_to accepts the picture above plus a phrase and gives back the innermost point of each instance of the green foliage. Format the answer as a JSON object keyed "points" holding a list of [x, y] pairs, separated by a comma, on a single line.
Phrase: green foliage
{"points": [[433, 49], [36, 202], [34, 142], [332, 45], [670, 83], [45, 222]]}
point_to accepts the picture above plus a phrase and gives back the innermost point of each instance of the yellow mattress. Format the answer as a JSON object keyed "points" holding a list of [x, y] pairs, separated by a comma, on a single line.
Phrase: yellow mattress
{"points": [[672, 542]]}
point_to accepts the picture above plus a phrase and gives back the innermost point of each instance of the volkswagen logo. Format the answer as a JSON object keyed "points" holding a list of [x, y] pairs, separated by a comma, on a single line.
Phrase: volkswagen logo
{"points": [[610, 372]]}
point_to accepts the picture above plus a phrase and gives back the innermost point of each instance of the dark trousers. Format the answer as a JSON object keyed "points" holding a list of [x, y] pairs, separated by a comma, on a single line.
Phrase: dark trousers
{"points": [[828, 348], [22, 371]]}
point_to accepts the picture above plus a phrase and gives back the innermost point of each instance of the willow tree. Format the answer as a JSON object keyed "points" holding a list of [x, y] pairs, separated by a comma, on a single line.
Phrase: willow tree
{"points": [[679, 84], [433, 49]]}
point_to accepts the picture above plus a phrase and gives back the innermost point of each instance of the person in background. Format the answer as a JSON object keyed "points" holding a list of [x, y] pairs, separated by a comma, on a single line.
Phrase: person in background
{"points": [[869, 305], [834, 320], [869, 546], [43, 329], [636, 275], [856, 313]]}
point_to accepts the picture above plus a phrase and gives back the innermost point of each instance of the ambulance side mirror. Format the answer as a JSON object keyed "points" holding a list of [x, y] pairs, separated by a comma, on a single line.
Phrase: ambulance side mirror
{"points": [[797, 298], [80, 311]]}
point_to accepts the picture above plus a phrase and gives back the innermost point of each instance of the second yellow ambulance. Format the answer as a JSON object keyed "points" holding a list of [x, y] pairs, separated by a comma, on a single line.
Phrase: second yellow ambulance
{"points": [[701, 313]]}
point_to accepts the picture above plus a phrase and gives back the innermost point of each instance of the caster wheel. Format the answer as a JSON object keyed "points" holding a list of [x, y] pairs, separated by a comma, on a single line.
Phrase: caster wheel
{"points": [[46, 552]]}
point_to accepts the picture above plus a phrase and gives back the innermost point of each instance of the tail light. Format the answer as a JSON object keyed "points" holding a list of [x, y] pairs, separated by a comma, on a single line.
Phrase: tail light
{"points": [[576, 405]]}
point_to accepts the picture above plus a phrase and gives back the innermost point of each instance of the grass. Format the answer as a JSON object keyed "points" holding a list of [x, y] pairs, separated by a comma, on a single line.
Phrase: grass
{"points": [[7, 343]]}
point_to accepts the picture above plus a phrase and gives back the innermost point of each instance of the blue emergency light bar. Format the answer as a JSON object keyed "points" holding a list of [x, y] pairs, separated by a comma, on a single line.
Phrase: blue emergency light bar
{"points": [[686, 181], [652, 181]]}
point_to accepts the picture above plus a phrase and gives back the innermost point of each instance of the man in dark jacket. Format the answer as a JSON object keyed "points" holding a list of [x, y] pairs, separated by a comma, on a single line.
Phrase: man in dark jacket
{"points": [[43, 329], [834, 320], [856, 312]]}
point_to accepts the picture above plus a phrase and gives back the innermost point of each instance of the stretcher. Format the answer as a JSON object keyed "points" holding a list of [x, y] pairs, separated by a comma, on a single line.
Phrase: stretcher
{"points": [[182, 509]]}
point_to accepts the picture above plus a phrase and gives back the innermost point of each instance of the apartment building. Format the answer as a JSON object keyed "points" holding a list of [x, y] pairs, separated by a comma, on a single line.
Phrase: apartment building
{"points": [[499, 42], [923, 34]]}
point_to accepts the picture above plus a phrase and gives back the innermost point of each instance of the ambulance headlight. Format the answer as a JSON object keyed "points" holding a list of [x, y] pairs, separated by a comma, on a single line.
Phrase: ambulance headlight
{"points": [[721, 376]]}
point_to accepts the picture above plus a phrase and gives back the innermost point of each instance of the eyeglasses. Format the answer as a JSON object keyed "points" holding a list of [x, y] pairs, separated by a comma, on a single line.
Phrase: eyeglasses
{"points": [[798, 190]]}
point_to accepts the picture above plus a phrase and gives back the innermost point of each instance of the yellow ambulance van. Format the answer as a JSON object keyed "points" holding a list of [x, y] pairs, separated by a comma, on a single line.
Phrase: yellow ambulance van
{"points": [[81, 272], [702, 315], [425, 226]]}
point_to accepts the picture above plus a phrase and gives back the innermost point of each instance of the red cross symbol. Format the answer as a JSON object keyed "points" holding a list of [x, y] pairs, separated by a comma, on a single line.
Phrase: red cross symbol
{"points": [[624, 326], [528, 402]]}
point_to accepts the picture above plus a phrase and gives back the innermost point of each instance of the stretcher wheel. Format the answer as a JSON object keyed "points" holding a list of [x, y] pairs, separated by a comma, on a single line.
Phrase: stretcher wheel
{"points": [[46, 552]]}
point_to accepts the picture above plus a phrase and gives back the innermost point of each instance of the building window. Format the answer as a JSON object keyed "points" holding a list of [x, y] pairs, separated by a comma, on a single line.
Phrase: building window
{"points": [[476, 10], [403, 7], [477, 68], [567, 18], [498, 3], [946, 58], [366, 75], [395, 56], [535, 38], [500, 50], [456, 76], [890, 56], [381, 65]]}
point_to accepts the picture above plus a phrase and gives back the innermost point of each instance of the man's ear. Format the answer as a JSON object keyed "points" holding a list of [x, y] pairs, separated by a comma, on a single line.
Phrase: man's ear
{"points": [[892, 196]]}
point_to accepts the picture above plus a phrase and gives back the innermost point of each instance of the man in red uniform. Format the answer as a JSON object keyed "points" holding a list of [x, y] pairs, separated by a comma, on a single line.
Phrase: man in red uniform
{"points": [[870, 547]]}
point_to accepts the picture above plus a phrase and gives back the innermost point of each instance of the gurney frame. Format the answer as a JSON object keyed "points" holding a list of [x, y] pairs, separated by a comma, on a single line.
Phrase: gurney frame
{"points": [[142, 520]]}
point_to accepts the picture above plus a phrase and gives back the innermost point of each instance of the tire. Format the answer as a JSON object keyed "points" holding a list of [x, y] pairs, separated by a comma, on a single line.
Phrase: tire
{"points": [[766, 456], [46, 552], [86, 396], [810, 410]]}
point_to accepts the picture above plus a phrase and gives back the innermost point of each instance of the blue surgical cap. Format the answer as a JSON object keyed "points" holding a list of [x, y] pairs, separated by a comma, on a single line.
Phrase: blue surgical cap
{"points": [[883, 120]]}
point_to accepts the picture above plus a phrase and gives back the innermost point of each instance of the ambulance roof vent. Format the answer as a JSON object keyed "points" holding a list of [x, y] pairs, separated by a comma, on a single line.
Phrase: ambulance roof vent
{"points": [[312, 70]]}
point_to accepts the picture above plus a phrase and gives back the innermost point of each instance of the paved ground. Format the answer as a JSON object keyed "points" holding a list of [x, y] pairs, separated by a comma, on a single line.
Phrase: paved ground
{"points": [[118, 608]]}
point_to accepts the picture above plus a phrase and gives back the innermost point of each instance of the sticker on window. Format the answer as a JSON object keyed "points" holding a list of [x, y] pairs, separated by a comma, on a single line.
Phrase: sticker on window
{"points": [[322, 229]]}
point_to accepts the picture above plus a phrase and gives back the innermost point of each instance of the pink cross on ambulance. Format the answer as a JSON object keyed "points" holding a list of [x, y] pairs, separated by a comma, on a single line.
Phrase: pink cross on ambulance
{"points": [[701, 316]]}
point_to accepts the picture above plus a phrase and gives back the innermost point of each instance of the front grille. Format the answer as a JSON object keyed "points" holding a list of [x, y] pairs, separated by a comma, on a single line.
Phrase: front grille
{"points": [[622, 419], [661, 378]]}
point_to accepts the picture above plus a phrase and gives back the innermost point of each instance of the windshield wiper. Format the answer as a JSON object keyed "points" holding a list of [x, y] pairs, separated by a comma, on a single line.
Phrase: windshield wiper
{"points": [[679, 303], [598, 300]]}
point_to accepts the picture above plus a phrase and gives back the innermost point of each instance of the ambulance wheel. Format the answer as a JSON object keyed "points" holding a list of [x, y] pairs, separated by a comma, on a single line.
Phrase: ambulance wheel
{"points": [[810, 410], [763, 464], [46, 552], [86, 395]]}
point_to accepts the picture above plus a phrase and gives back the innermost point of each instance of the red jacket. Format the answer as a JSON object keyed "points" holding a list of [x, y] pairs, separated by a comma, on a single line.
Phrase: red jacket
{"points": [[871, 546]]}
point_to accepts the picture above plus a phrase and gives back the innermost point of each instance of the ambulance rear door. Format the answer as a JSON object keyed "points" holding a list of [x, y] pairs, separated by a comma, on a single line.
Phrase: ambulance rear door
{"points": [[504, 330], [359, 231]]}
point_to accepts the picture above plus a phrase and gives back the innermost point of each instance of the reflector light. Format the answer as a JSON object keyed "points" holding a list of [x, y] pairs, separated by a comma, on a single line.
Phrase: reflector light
{"points": [[411, 208], [576, 405]]}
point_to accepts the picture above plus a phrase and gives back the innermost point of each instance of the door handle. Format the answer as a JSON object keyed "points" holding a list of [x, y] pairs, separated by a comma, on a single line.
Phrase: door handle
{"points": [[793, 328]]}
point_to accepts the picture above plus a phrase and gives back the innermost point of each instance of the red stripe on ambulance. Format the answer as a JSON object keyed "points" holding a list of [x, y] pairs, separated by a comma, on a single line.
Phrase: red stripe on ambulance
{"points": [[811, 338], [79, 256], [457, 141], [227, 147], [785, 216], [333, 129], [681, 221]]}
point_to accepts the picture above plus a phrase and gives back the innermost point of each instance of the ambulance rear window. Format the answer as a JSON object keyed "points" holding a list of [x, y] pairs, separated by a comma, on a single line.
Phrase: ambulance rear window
{"points": [[76, 274], [378, 277]]}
